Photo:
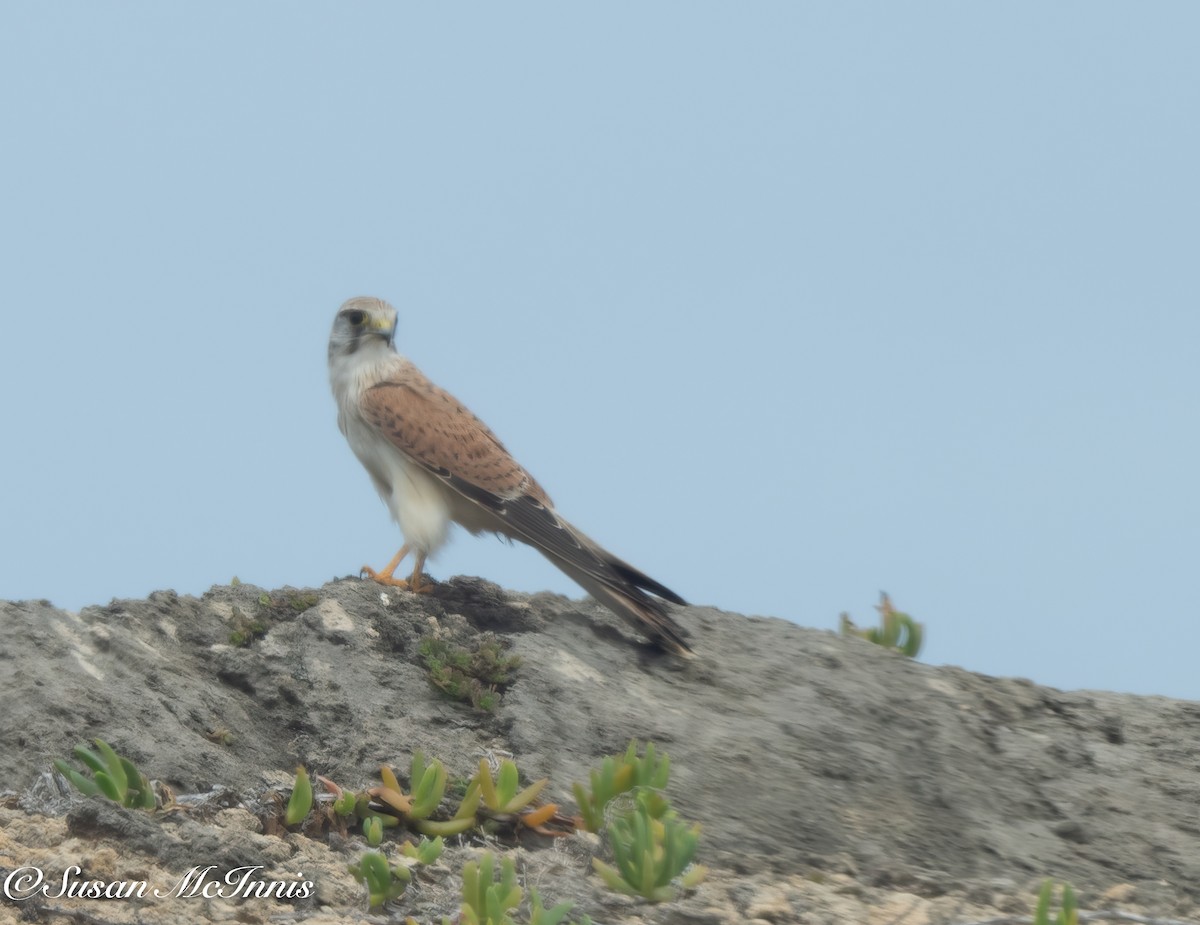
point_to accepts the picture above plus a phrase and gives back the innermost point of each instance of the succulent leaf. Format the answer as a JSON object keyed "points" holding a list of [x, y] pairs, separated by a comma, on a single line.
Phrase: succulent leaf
{"points": [[301, 799], [113, 767], [108, 787]]}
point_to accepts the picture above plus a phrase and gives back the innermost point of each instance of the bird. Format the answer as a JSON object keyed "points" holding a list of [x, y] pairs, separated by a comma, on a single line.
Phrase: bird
{"points": [[435, 463]]}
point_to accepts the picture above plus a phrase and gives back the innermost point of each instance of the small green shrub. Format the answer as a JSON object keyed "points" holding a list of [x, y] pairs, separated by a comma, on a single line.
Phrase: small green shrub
{"points": [[300, 601], [245, 629], [475, 676]]}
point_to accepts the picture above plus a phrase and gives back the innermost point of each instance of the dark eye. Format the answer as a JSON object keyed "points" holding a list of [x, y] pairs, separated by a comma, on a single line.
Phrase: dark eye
{"points": [[356, 317]]}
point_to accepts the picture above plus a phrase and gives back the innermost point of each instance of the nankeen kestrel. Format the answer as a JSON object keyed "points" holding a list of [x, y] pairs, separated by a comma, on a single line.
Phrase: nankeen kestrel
{"points": [[433, 462]]}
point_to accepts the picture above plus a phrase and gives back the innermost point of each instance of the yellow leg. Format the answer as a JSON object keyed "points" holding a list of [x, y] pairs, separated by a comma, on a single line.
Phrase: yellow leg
{"points": [[385, 577], [416, 583]]}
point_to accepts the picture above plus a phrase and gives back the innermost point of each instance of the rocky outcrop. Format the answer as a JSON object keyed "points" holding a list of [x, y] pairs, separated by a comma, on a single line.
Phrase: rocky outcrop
{"points": [[832, 778]]}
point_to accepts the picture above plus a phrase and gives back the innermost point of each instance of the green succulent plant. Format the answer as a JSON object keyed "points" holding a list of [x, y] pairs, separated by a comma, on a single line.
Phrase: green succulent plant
{"points": [[1068, 914], [428, 782], [487, 900], [112, 776], [501, 795], [620, 774], [345, 802], [540, 915], [427, 851], [502, 799], [463, 820], [490, 896], [384, 881], [365, 812], [896, 631], [301, 800], [651, 852]]}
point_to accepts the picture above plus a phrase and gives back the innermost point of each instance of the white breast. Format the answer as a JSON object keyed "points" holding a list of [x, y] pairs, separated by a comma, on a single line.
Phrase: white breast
{"points": [[416, 499]]}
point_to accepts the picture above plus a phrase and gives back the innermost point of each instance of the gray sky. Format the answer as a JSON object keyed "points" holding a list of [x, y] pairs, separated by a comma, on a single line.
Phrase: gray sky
{"points": [[786, 303]]}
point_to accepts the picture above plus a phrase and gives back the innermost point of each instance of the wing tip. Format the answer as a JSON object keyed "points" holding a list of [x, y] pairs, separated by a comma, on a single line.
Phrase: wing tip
{"points": [[660, 627], [673, 645], [640, 579]]}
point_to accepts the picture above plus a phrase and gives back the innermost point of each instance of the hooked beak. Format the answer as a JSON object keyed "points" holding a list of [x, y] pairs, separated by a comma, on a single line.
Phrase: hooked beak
{"points": [[384, 327]]}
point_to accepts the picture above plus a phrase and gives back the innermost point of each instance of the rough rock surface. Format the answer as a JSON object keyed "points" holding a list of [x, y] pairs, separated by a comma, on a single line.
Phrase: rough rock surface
{"points": [[835, 782]]}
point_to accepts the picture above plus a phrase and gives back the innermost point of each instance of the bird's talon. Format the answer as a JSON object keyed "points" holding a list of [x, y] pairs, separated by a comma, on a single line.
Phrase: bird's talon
{"points": [[383, 578], [417, 584]]}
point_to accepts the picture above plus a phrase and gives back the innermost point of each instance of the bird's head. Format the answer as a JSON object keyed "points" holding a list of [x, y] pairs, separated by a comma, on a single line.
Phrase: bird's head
{"points": [[360, 323]]}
